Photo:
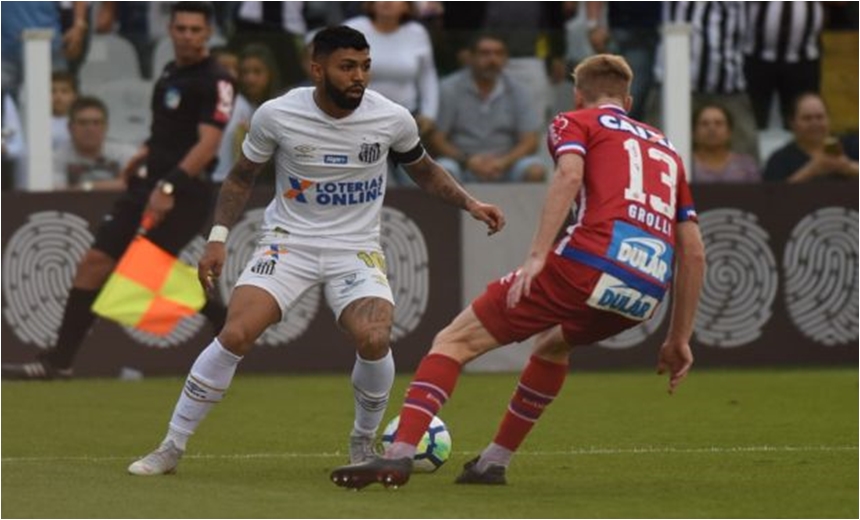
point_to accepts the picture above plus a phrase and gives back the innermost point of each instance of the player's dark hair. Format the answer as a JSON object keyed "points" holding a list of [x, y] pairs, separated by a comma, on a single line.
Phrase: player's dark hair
{"points": [[716, 106], [204, 8], [85, 102], [331, 39], [603, 75]]}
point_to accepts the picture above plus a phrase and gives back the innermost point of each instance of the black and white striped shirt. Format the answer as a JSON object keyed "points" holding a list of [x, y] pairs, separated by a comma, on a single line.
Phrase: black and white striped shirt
{"points": [[784, 31], [718, 31]]}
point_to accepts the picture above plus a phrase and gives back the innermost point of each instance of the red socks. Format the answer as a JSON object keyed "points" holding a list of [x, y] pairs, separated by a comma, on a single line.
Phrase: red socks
{"points": [[433, 383], [539, 383]]}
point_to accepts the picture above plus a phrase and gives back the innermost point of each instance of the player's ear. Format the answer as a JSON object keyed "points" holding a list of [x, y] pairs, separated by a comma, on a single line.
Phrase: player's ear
{"points": [[628, 103], [578, 99], [316, 71]]}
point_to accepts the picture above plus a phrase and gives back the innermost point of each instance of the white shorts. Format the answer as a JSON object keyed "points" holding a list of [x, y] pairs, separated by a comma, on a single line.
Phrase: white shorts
{"points": [[287, 272]]}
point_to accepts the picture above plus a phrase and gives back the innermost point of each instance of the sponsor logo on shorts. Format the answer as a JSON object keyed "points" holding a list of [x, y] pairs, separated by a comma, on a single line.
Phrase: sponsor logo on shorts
{"points": [[613, 295], [640, 250]]}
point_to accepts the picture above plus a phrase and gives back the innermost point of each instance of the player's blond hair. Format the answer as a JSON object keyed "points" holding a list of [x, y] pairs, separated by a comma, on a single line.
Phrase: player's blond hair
{"points": [[603, 75]]}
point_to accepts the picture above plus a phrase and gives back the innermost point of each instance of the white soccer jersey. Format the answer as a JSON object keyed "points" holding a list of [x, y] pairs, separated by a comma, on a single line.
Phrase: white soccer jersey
{"points": [[331, 172]]}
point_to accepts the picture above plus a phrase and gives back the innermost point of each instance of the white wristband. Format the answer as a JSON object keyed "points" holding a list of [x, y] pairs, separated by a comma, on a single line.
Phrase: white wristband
{"points": [[218, 234]]}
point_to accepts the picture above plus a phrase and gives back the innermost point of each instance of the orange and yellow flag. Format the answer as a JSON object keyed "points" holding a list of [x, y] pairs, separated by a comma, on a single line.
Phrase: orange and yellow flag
{"points": [[150, 290]]}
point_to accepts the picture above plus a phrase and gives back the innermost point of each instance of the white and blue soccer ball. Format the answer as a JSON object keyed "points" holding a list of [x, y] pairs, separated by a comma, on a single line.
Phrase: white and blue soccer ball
{"points": [[434, 448]]}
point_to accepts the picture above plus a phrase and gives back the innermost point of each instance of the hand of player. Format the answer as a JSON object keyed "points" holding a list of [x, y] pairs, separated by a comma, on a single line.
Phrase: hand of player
{"points": [[677, 358], [523, 278], [160, 204], [489, 214], [211, 263]]}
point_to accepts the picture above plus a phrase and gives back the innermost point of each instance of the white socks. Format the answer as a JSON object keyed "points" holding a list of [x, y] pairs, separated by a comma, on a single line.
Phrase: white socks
{"points": [[371, 383], [206, 385], [494, 455]]}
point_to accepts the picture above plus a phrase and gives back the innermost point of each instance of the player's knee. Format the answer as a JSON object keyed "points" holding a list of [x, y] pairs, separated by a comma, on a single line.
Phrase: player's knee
{"points": [[373, 342], [236, 339], [93, 270]]}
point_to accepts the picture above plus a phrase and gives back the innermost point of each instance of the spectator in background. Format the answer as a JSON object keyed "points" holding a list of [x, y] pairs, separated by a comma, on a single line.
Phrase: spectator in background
{"points": [[782, 54], [534, 33], [258, 82], [16, 18], [632, 32], [716, 64], [89, 161], [280, 26], [131, 21], [488, 124], [713, 158], [814, 153], [64, 91], [228, 59], [14, 151], [403, 66], [404, 70]]}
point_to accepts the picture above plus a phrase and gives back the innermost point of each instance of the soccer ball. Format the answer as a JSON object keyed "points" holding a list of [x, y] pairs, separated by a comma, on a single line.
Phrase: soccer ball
{"points": [[434, 448]]}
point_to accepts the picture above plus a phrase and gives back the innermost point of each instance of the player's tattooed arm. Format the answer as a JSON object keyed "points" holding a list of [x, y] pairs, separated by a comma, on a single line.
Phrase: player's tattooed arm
{"points": [[235, 191], [435, 180]]}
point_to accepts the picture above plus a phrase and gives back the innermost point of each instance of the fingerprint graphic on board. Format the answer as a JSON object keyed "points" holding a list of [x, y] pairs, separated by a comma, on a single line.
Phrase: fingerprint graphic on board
{"points": [[408, 270], [741, 281], [241, 245], [820, 265], [187, 328], [39, 264], [636, 335]]}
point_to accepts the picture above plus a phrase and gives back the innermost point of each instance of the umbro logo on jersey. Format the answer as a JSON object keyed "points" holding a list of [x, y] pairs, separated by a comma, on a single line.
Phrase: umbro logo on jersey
{"points": [[370, 152]]}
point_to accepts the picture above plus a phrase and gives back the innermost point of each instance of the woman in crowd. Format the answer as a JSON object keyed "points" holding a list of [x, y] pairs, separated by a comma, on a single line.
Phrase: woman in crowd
{"points": [[403, 68], [814, 153], [713, 158], [258, 83]]}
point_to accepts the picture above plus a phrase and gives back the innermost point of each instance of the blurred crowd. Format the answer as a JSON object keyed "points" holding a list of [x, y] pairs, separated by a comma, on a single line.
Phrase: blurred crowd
{"points": [[482, 79]]}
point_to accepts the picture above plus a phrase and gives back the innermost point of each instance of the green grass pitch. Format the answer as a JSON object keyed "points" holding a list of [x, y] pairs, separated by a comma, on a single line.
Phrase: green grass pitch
{"points": [[752, 443]]}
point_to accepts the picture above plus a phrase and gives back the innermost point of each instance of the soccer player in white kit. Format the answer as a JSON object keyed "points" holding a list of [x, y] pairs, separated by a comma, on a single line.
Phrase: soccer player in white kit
{"points": [[330, 143]]}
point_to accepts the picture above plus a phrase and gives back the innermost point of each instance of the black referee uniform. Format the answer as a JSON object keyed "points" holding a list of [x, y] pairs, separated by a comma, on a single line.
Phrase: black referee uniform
{"points": [[183, 98], [782, 53]]}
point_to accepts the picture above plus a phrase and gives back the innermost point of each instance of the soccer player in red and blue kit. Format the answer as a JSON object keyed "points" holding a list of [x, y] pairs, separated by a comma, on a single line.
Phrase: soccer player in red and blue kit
{"points": [[635, 234]]}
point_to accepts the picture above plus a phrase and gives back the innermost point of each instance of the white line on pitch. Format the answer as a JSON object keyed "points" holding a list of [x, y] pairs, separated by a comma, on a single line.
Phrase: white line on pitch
{"points": [[580, 451]]}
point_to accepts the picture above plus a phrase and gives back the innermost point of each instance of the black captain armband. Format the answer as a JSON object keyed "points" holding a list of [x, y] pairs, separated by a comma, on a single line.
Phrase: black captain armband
{"points": [[408, 157], [178, 178]]}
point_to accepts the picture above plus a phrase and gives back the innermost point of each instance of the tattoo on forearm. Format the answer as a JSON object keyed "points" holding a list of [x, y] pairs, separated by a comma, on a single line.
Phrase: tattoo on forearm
{"points": [[235, 192], [433, 179]]}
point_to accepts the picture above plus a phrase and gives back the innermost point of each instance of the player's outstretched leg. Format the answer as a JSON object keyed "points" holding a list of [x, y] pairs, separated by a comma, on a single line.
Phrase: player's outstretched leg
{"points": [[391, 473]]}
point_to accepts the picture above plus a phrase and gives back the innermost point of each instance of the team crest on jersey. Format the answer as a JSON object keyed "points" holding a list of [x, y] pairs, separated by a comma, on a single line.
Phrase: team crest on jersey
{"points": [[172, 98], [643, 252], [370, 152]]}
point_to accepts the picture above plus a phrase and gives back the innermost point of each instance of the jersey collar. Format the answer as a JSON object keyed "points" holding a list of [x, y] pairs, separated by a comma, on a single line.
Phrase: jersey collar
{"points": [[615, 108]]}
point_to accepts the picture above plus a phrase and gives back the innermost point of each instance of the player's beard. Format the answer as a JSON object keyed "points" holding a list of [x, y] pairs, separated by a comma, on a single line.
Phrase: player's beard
{"points": [[340, 98]]}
